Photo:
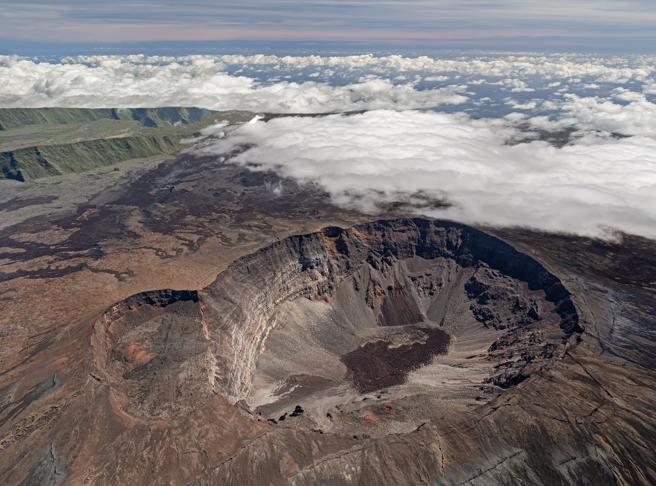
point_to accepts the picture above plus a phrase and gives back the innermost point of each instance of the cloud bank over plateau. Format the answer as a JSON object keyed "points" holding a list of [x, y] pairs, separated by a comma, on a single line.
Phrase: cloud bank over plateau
{"points": [[370, 159], [560, 142], [559, 87], [196, 81]]}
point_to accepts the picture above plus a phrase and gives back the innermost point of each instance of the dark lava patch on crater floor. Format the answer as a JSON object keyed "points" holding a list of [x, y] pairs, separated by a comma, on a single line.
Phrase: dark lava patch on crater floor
{"points": [[379, 364]]}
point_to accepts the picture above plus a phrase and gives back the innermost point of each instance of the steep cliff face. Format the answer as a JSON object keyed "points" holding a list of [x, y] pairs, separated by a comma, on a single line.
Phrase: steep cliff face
{"points": [[18, 117], [49, 160], [45, 142]]}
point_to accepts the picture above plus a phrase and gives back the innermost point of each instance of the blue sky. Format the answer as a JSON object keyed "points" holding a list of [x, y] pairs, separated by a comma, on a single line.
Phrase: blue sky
{"points": [[603, 25]]}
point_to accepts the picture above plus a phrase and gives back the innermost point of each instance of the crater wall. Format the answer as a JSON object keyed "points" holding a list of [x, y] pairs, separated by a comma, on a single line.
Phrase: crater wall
{"points": [[231, 319]]}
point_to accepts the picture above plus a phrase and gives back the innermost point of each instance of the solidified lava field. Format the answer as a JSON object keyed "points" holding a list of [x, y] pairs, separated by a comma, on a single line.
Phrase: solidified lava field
{"points": [[379, 364]]}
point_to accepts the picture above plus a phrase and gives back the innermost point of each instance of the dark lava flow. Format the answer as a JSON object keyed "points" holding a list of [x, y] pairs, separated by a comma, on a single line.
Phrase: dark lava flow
{"points": [[378, 365]]}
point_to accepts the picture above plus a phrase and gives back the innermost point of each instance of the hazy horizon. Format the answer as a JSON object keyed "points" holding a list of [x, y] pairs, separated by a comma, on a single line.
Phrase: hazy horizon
{"points": [[37, 27]]}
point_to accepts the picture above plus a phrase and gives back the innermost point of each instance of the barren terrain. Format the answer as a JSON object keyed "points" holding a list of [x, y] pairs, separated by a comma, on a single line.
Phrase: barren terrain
{"points": [[197, 322]]}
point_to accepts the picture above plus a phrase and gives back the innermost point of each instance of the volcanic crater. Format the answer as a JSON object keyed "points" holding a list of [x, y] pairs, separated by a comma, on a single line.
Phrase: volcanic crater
{"points": [[402, 319]]}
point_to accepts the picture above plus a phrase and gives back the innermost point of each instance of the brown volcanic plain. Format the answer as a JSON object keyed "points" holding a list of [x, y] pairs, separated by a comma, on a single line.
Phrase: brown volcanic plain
{"points": [[182, 322]]}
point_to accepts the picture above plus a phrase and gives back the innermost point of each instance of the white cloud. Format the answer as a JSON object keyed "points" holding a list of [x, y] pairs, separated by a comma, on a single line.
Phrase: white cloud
{"points": [[556, 66], [436, 79], [549, 105], [529, 105], [198, 81], [517, 86], [229, 82], [635, 118], [382, 156], [628, 95]]}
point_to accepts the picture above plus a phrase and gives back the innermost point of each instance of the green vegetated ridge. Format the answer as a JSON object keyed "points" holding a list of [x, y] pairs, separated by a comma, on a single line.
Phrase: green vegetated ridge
{"points": [[49, 160], [18, 117], [44, 142], [149, 117], [158, 117]]}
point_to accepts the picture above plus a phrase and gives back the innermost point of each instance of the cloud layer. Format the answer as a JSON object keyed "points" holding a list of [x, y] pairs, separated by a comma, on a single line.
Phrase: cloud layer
{"points": [[589, 188], [477, 145], [202, 82], [557, 86]]}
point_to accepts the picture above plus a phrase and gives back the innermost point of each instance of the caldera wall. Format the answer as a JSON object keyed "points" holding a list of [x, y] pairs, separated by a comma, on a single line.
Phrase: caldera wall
{"points": [[239, 310]]}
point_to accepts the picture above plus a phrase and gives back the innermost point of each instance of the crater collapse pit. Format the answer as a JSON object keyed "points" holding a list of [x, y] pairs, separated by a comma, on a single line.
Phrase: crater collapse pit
{"points": [[373, 330]]}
